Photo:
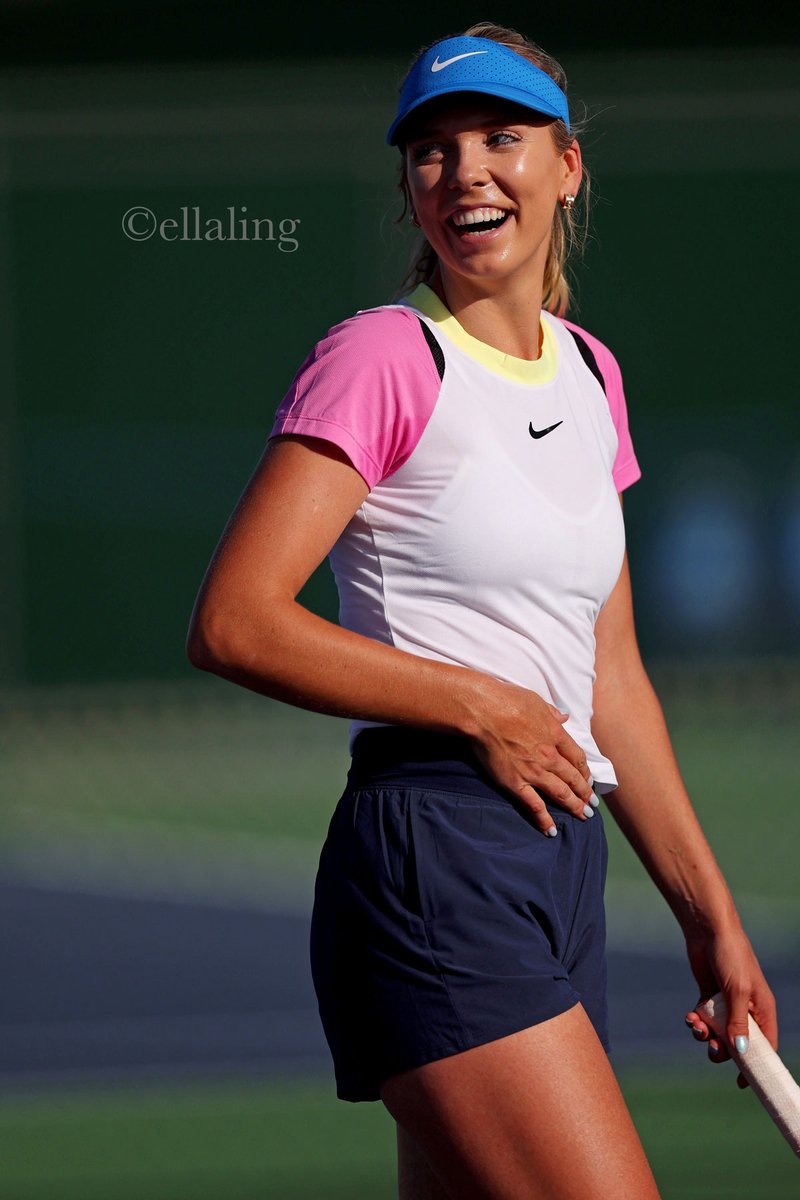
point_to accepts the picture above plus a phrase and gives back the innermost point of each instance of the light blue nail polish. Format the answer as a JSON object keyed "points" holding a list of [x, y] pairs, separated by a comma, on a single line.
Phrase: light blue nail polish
{"points": [[588, 812], [552, 831], [742, 1043], [593, 800]]}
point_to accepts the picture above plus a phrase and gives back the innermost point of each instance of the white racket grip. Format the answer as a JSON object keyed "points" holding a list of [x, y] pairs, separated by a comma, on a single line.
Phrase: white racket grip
{"points": [[769, 1078]]}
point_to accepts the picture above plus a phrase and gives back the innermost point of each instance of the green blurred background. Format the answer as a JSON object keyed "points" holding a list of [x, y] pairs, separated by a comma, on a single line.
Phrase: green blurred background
{"points": [[138, 380]]}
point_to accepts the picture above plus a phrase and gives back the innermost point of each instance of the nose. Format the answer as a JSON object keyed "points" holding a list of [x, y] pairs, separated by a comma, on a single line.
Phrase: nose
{"points": [[468, 165]]}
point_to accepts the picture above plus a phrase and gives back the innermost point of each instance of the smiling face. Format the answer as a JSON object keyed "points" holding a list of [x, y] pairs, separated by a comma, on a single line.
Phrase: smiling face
{"points": [[485, 178]]}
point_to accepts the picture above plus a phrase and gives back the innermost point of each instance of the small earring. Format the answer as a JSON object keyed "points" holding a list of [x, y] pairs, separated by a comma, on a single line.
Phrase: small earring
{"points": [[568, 201], [412, 216]]}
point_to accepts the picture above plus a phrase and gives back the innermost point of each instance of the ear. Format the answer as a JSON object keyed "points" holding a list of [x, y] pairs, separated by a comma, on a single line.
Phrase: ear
{"points": [[572, 168]]}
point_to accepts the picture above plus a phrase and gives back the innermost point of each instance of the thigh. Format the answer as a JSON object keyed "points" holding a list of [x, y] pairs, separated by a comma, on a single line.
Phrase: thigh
{"points": [[416, 1179], [537, 1115]]}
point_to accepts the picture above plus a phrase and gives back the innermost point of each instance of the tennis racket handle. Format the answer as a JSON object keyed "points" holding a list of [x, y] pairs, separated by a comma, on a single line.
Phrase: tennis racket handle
{"points": [[762, 1068]]}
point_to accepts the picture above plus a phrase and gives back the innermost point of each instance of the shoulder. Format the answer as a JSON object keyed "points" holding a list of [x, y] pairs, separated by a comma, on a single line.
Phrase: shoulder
{"points": [[370, 386], [389, 334], [606, 362], [378, 353], [603, 365]]}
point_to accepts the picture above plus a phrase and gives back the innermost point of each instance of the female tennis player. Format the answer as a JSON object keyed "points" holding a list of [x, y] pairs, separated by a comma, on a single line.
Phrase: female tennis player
{"points": [[459, 455]]}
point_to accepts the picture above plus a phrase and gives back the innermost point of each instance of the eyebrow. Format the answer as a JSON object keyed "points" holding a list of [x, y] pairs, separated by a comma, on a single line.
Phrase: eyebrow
{"points": [[427, 131]]}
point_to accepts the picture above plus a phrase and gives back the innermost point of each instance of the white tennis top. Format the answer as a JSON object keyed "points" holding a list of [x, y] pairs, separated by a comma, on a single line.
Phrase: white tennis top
{"points": [[492, 534]]}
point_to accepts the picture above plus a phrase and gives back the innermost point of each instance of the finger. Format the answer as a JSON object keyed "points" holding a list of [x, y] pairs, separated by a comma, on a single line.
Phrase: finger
{"points": [[698, 1026], [545, 773], [717, 1051], [560, 716], [582, 767], [579, 784], [765, 1016], [737, 1031], [538, 809], [569, 749], [562, 794]]}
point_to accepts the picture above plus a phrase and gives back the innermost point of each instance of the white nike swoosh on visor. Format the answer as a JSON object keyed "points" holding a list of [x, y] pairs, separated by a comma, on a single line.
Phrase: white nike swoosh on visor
{"points": [[437, 66]]}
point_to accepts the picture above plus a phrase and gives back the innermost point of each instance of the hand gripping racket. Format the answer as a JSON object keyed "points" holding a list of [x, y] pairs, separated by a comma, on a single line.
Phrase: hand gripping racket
{"points": [[768, 1077]]}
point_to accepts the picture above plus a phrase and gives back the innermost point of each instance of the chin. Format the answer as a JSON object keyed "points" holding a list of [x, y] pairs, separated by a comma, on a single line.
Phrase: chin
{"points": [[479, 266]]}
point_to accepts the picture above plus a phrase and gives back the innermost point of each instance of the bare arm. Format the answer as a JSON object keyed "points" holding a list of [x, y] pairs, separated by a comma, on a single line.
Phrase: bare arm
{"points": [[654, 811], [248, 627]]}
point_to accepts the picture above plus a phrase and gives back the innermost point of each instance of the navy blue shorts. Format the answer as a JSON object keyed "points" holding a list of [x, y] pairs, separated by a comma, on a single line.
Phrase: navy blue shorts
{"points": [[443, 918]]}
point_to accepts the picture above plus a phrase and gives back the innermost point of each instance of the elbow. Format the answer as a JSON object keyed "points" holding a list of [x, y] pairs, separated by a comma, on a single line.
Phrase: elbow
{"points": [[198, 647], [242, 641], [211, 643], [198, 650]]}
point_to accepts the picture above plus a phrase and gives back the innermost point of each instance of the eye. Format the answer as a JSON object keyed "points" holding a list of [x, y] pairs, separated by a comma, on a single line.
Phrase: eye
{"points": [[502, 137], [424, 151]]}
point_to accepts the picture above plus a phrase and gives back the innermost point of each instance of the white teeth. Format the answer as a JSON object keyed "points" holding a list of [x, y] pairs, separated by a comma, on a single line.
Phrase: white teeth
{"points": [[474, 216]]}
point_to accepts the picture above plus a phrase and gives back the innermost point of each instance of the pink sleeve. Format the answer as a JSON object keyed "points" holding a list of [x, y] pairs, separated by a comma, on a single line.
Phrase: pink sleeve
{"points": [[626, 469], [369, 387]]}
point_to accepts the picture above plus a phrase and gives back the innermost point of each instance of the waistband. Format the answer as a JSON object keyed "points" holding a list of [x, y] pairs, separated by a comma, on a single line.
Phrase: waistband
{"points": [[418, 758]]}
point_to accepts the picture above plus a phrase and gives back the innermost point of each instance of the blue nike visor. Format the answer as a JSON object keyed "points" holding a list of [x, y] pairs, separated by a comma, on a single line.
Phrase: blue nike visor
{"points": [[472, 64]]}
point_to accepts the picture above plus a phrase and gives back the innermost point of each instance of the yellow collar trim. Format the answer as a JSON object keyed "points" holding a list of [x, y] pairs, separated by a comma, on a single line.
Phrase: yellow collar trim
{"points": [[521, 370]]}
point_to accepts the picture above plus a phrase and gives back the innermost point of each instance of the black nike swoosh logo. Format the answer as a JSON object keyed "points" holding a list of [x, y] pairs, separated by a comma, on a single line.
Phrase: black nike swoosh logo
{"points": [[537, 433]]}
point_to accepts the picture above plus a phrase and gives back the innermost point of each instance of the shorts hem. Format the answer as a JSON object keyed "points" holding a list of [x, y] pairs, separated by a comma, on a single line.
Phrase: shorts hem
{"points": [[356, 1088]]}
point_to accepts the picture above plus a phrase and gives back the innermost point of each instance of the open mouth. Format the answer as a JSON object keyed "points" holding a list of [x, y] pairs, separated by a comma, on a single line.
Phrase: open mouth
{"points": [[478, 220]]}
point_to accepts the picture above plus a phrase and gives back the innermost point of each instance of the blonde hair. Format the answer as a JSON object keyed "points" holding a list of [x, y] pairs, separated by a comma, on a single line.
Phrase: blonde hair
{"points": [[570, 225]]}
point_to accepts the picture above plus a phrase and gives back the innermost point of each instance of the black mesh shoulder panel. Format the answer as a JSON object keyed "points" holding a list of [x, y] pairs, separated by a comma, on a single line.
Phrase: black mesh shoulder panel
{"points": [[587, 354], [436, 350]]}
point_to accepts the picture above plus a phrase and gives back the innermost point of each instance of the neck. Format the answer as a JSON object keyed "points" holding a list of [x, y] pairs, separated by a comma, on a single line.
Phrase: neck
{"points": [[504, 315]]}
